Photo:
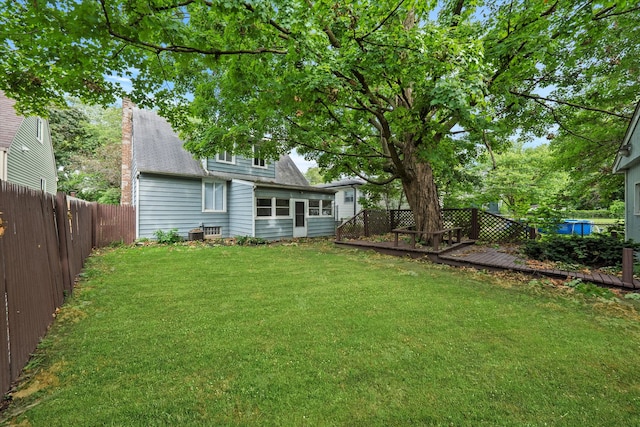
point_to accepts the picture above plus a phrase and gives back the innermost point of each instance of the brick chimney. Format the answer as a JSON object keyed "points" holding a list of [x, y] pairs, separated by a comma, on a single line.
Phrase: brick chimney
{"points": [[127, 150]]}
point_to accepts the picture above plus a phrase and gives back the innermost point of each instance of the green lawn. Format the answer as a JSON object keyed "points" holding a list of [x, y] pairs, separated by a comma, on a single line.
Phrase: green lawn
{"points": [[312, 335]]}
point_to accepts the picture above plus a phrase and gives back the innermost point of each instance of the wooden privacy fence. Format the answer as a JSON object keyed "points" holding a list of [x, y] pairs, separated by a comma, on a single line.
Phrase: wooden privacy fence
{"points": [[44, 241], [476, 224]]}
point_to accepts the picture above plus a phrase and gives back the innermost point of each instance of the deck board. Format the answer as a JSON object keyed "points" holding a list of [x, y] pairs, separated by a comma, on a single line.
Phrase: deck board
{"points": [[488, 257]]}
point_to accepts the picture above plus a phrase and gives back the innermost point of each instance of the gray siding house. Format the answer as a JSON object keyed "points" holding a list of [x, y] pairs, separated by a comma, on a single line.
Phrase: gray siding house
{"points": [[26, 153], [628, 163], [229, 195]]}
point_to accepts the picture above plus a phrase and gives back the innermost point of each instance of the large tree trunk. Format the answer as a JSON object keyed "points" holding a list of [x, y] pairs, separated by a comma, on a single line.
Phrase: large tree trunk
{"points": [[422, 195]]}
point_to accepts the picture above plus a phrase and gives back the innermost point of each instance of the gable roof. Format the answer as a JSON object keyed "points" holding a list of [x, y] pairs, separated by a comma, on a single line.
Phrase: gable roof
{"points": [[9, 121], [632, 151], [158, 149]]}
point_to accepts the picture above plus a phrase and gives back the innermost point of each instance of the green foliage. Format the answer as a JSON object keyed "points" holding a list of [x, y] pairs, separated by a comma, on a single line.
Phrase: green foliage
{"points": [[522, 177], [250, 241], [389, 196], [87, 144], [167, 237], [595, 213], [616, 209], [632, 296], [407, 90], [594, 251], [546, 218], [314, 176]]}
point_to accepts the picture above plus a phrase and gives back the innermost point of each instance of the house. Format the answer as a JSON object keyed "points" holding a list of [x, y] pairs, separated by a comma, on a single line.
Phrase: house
{"points": [[628, 162], [26, 152], [347, 197], [228, 195]]}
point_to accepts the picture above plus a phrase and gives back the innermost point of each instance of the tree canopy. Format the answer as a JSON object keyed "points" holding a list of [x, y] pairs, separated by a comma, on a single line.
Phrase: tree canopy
{"points": [[87, 147], [393, 89]]}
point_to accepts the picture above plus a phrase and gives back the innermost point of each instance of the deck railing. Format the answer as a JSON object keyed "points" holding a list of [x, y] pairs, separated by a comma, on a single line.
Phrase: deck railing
{"points": [[475, 223]]}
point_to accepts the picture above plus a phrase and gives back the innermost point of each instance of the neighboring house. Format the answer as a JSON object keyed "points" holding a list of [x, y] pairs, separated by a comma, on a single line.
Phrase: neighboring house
{"points": [[347, 197], [230, 195], [628, 162], [26, 153]]}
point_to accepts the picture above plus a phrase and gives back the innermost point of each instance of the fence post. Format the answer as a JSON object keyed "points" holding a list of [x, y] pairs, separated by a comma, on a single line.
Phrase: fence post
{"points": [[62, 222], [94, 225], [474, 233], [366, 222], [627, 266]]}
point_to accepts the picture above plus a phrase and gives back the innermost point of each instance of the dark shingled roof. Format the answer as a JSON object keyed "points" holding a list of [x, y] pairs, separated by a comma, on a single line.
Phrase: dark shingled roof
{"points": [[9, 121], [158, 149]]}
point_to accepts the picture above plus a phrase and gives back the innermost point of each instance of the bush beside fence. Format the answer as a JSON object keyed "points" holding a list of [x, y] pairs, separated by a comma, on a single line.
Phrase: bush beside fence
{"points": [[44, 241]]}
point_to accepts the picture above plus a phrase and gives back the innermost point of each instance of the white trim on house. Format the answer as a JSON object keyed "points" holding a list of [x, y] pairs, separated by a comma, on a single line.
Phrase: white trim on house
{"points": [[3, 164], [225, 158], [216, 186], [277, 204], [40, 130], [304, 230]]}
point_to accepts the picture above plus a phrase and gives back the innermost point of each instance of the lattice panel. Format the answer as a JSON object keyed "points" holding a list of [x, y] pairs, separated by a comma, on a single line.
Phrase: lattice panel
{"points": [[378, 222], [457, 218], [495, 228], [402, 218]]}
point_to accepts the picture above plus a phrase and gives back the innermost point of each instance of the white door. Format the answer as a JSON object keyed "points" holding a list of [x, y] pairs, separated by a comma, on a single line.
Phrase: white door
{"points": [[299, 218]]}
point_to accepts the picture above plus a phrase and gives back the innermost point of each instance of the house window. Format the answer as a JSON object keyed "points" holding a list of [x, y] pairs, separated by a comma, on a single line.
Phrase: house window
{"points": [[636, 201], [258, 161], [43, 184], [39, 129], [214, 195], [225, 157], [348, 196], [320, 208], [267, 207]]}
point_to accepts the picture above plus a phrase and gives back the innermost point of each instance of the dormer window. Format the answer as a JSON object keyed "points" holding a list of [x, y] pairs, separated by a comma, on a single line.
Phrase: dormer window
{"points": [[225, 157], [258, 161]]}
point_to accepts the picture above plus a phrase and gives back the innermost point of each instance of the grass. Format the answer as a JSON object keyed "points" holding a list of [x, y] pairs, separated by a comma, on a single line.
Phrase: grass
{"points": [[313, 335]]}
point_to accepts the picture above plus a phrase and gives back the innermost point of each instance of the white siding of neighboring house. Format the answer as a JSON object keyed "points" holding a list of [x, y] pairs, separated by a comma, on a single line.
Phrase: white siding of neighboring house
{"points": [[345, 209]]}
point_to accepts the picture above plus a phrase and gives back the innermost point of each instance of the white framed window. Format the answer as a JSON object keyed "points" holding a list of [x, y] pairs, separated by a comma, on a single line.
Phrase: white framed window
{"points": [[258, 162], [226, 157], [43, 184], [348, 196], [636, 199], [273, 207], [39, 129], [320, 208], [214, 196]]}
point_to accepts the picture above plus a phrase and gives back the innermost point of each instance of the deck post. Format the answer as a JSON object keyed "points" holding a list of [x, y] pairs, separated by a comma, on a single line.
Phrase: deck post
{"points": [[474, 233], [627, 266]]}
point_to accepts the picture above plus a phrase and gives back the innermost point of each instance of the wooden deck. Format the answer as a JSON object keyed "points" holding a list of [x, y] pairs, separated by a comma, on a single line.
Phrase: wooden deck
{"points": [[466, 254]]}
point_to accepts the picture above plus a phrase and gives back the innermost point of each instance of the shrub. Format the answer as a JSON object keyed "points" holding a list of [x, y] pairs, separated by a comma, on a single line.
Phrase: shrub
{"points": [[248, 240], [167, 237], [594, 251]]}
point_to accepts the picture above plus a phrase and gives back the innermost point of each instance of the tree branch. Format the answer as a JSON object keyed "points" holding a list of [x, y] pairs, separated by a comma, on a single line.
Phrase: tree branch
{"points": [[369, 180], [157, 48], [570, 104], [381, 24], [604, 15]]}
